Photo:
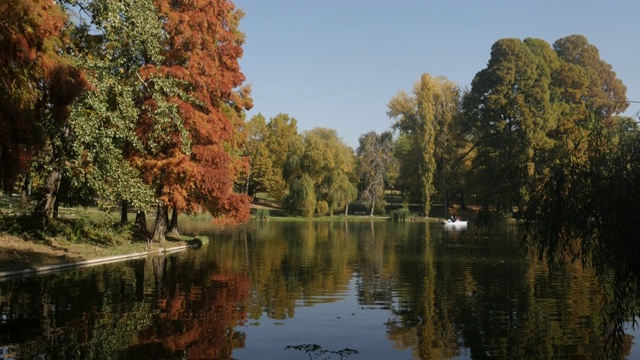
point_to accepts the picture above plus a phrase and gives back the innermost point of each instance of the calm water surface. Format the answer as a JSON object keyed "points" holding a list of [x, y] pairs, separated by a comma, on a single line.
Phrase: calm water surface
{"points": [[312, 291]]}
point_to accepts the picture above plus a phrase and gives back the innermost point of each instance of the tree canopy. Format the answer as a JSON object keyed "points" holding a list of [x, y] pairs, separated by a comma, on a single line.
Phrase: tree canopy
{"points": [[377, 166], [421, 118], [132, 100]]}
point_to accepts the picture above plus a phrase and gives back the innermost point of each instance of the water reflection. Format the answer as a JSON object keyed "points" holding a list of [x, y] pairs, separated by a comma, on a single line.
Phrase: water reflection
{"points": [[159, 307], [387, 290]]}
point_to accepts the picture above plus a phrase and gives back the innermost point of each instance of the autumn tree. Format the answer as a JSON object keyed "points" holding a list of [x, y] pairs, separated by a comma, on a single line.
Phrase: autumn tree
{"points": [[201, 52], [419, 117], [377, 164], [451, 145], [39, 83]]}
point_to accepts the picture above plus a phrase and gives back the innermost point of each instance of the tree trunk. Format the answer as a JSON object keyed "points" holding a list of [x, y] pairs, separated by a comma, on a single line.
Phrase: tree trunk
{"points": [[166, 216], [160, 227], [246, 187], [159, 265], [446, 200], [373, 204], [173, 224], [124, 210], [346, 209], [56, 207], [44, 210], [141, 221], [24, 194], [138, 267]]}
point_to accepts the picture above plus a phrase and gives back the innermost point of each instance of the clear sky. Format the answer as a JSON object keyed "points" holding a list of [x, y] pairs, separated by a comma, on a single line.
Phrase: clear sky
{"points": [[337, 63]]}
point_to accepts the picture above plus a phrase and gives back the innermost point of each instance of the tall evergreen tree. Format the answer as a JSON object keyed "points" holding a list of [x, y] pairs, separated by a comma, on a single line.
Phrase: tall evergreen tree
{"points": [[509, 115]]}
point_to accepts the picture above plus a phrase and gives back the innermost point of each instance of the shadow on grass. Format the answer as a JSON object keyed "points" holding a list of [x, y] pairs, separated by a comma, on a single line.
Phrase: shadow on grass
{"points": [[19, 259]]}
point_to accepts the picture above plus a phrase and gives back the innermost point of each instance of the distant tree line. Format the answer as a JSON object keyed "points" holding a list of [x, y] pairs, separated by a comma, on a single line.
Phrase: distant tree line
{"points": [[529, 113]]}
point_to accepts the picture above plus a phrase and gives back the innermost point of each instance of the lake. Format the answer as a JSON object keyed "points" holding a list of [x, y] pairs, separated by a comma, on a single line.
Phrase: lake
{"points": [[313, 290]]}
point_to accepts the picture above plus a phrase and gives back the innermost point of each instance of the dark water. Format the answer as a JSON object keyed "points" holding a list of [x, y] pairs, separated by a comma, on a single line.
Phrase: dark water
{"points": [[312, 291]]}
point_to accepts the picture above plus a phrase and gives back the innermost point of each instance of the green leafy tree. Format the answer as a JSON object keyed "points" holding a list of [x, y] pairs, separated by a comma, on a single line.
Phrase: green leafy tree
{"points": [[509, 117], [260, 164], [377, 164], [408, 181], [330, 163], [586, 90], [269, 147], [325, 159], [302, 196], [419, 117], [341, 191], [116, 39], [582, 213], [282, 139]]}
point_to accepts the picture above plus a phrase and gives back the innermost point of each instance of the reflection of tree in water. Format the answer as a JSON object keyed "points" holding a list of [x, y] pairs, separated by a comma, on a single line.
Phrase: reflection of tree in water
{"points": [[373, 281], [587, 210], [148, 308], [289, 264], [422, 315], [446, 299], [196, 314], [315, 351]]}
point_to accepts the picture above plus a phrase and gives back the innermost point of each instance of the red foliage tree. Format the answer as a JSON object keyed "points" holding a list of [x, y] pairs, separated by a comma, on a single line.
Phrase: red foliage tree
{"points": [[38, 82], [202, 50], [26, 28]]}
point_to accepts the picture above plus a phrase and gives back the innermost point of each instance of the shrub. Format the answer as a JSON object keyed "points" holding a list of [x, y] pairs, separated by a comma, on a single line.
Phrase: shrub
{"points": [[400, 215], [322, 207], [262, 214]]}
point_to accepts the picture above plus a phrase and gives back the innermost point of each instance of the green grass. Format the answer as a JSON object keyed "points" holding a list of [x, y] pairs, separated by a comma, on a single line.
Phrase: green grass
{"points": [[341, 217], [265, 196]]}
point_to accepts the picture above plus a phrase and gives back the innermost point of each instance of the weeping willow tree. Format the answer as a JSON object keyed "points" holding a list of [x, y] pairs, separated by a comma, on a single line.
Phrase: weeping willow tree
{"points": [[586, 212], [302, 196]]}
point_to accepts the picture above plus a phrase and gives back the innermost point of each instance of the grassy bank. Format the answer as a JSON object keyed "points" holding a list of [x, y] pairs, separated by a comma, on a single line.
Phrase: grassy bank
{"points": [[79, 234]]}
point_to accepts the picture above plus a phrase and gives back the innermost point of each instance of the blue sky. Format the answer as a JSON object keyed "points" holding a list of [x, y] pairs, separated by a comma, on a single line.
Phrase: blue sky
{"points": [[336, 64]]}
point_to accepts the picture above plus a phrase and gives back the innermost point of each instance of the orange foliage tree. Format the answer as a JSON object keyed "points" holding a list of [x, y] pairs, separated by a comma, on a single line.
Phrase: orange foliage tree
{"points": [[193, 167], [38, 83]]}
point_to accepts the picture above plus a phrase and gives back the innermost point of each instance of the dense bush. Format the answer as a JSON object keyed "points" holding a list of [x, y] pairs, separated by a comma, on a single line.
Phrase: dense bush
{"points": [[400, 215], [76, 230], [262, 214], [322, 208]]}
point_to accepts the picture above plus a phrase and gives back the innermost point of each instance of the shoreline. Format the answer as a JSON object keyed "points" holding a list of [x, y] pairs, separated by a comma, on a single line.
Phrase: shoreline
{"points": [[71, 264]]}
